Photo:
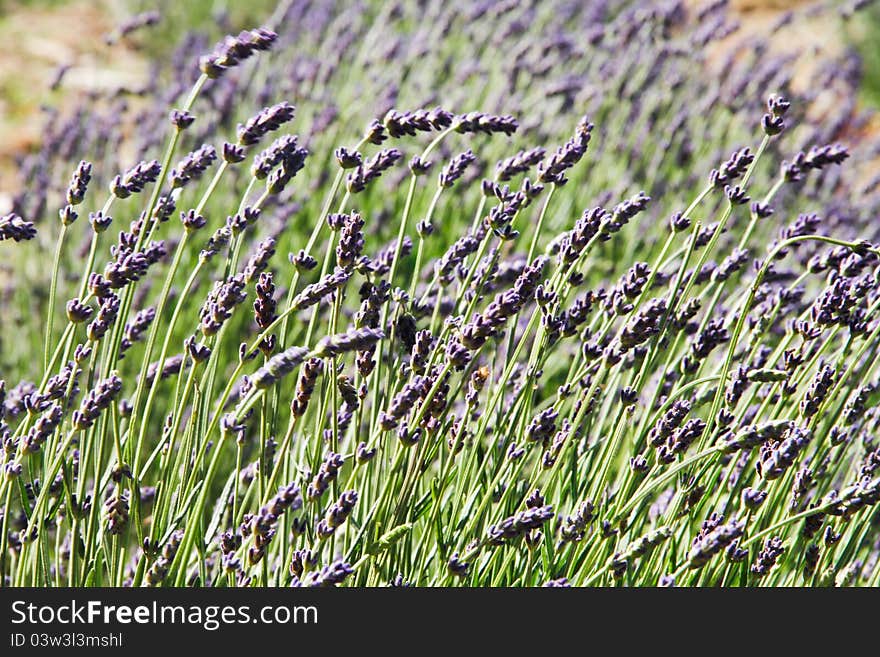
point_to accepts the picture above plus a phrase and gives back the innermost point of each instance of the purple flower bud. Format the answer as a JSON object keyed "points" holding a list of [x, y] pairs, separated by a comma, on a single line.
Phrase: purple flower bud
{"points": [[371, 169], [265, 121], [456, 167], [712, 539], [79, 182], [181, 119], [221, 303], [192, 166], [302, 261], [99, 221], [418, 166], [282, 148], [192, 221], [313, 293], [517, 525], [519, 163], [234, 49], [233, 153], [351, 240], [348, 159], [486, 123], [399, 124], [67, 215], [767, 558], [352, 340], [135, 179], [78, 312], [327, 474], [96, 401], [15, 228], [553, 169]]}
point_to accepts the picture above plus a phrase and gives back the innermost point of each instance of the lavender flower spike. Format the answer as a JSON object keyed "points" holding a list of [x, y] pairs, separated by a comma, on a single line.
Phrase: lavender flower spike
{"points": [[135, 179], [96, 401], [79, 182], [265, 121], [456, 168], [193, 166], [13, 227], [353, 340], [233, 50], [279, 366]]}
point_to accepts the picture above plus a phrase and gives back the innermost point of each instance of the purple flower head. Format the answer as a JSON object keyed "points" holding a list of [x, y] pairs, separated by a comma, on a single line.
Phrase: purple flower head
{"points": [[136, 327], [233, 153], [400, 124], [456, 167], [99, 221], [375, 133], [197, 351], [736, 195], [79, 182], [517, 525], [485, 123], [305, 387], [337, 514], [772, 125], [371, 169], [351, 240], [313, 293], [192, 166], [265, 121], [13, 227], [67, 215], [419, 166], [302, 261], [818, 157], [279, 366], [221, 303], [777, 456], [403, 403], [348, 159], [96, 401], [258, 262], [352, 340], [192, 221], [42, 429], [519, 163], [135, 179], [543, 426], [327, 474], [181, 119], [482, 326], [132, 24], [552, 170], [282, 148], [767, 558], [712, 539], [234, 49], [733, 168], [78, 312], [332, 575], [107, 312]]}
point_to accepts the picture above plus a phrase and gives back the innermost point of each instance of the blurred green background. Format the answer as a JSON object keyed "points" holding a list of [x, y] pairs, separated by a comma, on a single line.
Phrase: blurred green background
{"points": [[65, 42]]}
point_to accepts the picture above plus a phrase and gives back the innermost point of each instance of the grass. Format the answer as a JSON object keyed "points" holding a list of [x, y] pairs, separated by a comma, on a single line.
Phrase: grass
{"points": [[863, 34]]}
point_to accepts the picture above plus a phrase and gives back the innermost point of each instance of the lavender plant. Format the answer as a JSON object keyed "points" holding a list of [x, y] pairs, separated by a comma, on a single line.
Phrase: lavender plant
{"points": [[583, 314]]}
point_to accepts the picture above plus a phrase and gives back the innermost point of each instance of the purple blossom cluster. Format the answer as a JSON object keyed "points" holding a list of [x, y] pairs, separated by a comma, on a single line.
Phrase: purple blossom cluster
{"points": [[626, 334]]}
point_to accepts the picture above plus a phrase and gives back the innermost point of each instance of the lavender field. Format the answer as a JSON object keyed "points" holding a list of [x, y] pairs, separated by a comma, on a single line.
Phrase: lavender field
{"points": [[418, 293]]}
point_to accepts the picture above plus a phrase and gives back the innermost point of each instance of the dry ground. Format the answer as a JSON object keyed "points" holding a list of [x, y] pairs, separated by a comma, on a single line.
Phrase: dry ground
{"points": [[38, 43]]}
